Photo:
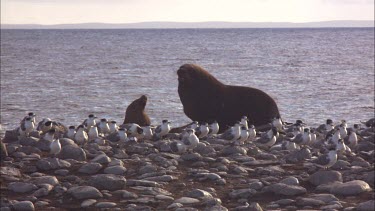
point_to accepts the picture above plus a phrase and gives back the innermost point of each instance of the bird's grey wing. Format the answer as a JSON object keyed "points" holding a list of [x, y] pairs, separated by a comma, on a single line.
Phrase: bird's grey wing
{"points": [[40, 125], [84, 123], [346, 140], [227, 135], [298, 139], [127, 126], [158, 129], [186, 141], [322, 160], [321, 128], [198, 131]]}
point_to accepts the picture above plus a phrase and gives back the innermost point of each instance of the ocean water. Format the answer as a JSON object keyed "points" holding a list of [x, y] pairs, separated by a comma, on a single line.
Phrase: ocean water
{"points": [[313, 74]]}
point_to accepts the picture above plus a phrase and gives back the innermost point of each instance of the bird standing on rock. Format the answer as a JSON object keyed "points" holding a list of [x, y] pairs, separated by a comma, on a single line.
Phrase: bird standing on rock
{"points": [[50, 135], [232, 133], [276, 122], [71, 132], [93, 133], [103, 127], [268, 139], [244, 135], [252, 133], [113, 128], [147, 132], [203, 130], [213, 128], [243, 122], [90, 121], [191, 141], [162, 129], [351, 139], [55, 147], [81, 136], [26, 126], [327, 160], [303, 139], [122, 134]]}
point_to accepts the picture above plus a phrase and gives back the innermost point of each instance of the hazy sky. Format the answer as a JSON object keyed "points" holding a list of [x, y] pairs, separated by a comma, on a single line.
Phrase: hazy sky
{"points": [[129, 11]]}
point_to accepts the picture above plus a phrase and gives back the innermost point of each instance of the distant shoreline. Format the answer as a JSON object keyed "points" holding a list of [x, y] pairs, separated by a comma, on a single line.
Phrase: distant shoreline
{"points": [[200, 25]]}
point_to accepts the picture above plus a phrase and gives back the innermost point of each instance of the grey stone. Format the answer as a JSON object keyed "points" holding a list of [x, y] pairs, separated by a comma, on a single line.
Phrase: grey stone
{"points": [[256, 185], [43, 145], [350, 188], [341, 164], [51, 163], [146, 183], [186, 200], [298, 155], [286, 190], [107, 182], [23, 206], [67, 141], [255, 207], [29, 149], [10, 171], [369, 178], [43, 191], [284, 202], [324, 177], [199, 194], [366, 206], [128, 195], [52, 180], [290, 181], [105, 205], [102, 159], [242, 193], [326, 198], [72, 152], [164, 178], [62, 172], [191, 157], [90, 168], [119, 170], [21, 187], [309, 202], [29, 141], [84, 192], [332, 207], [88, 203], [148, 169], [230, 150]]}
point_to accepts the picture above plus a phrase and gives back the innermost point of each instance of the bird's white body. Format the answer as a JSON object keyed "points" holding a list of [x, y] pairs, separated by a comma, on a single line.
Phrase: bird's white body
{"points": [[49, 136], [244, 122], [336, 136], [332, 157], [55, 147], [147, 132], [276, 122], [192, 141], [244, 135], [93, 133], [203, 129], [214, 128], [29, 126], [122, 135], [252, 134], [113, 128], [343, 131], [165, 128], [81, 136], [103, 127], [353, 140]]}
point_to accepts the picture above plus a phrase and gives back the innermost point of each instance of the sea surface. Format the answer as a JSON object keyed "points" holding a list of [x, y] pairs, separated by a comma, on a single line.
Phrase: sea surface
{"points": [[313, 74]]}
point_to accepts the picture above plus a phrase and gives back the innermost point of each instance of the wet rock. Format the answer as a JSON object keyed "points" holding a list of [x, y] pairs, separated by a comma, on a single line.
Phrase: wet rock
{"points": [[324, 177], [23, 206], [21, 187], [84, 192], [90, 168], [107, 182], [72, 152], [52, 163], [285, 190], [102, 159], [103, 205], [350, 188], [118, 170], [366, 206], [87, 203]]}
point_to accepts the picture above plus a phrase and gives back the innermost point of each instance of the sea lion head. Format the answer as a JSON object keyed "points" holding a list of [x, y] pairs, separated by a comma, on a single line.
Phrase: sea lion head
{"points": [[191, 75], [138, 104]]}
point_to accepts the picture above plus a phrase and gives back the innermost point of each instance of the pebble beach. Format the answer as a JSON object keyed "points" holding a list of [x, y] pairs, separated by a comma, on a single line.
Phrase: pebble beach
{"points": [[215, 175]]}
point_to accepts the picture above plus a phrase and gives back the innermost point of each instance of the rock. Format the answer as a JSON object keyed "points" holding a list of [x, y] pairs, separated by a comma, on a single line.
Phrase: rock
{"points": [[286, 190], [103, 205], [256, 185], [298, 155], [21, 187], [67, 141], [43, 191], [52, 180], [46, 164], [255, 207], [72, 152], [366, 206], [284, 202], [290, 181], [326, 198], [107, 182], [10, 171], [43, 145], [90, 168], [146, 183], [186, 200], [230, 150], [10, 136], [164, 178], [191, 157], [23, 206], [369, 178], [118, 170], [128, 195], [3, 150], [341, 164], [29, 150], [350, 188], [102, 159], [200, 194], [324, 177], [309, 202], [88, 202], [29, 141], [242, 193], [61, 172], [84, 192]]}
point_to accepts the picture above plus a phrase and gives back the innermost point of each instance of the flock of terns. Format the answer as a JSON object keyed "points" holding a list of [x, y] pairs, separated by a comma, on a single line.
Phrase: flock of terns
{"points": [[329, 138]]}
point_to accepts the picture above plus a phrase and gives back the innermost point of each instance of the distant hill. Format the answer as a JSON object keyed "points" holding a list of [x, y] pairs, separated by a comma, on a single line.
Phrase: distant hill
{"points": [[213, 24]]}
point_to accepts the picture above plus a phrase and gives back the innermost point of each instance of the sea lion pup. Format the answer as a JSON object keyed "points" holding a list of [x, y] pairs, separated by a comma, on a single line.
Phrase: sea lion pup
{"points": [[205, 99], [135, 113]]}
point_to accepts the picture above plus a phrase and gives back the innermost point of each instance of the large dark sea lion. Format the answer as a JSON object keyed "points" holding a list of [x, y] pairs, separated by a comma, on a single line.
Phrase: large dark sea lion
{"points": [[135, 113], [206, 99]]}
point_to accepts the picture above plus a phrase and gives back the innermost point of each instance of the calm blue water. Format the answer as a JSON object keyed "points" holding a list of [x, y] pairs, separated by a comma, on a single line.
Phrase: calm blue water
{"points": [[313, 74]]}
